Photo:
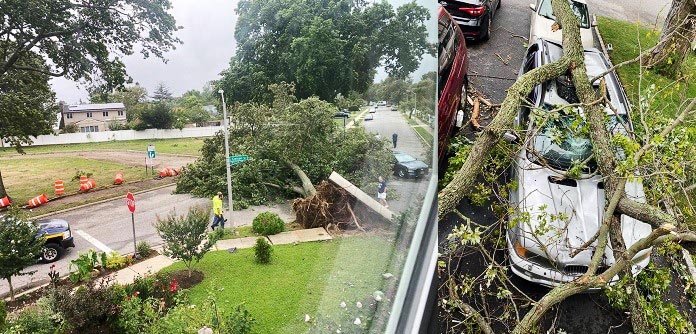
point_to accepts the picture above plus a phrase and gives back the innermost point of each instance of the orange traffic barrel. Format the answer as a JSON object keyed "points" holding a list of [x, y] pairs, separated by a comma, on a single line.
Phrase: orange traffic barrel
{"points": [[172, 172], [38, 200], [164, 172], [5, 201], [119, 178], [83, 179], [60, 190], [90, 184]]}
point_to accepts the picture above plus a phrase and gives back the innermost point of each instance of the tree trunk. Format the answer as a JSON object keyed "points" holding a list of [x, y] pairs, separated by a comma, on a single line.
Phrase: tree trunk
{"points": [[9, 282], [678, 32], [3, 192], [307, 186]]}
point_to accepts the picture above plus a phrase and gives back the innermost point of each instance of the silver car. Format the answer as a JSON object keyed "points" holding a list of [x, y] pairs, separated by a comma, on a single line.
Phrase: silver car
{"points": [[555, 216]]}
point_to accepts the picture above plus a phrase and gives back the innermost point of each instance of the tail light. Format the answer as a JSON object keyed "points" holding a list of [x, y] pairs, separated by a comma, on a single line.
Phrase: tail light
{"points": [[474, 11]]}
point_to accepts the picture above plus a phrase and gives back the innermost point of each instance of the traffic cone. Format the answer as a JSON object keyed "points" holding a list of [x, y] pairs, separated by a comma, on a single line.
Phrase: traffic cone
{"points": [[38, 200], [119, 178], [60, 190], [5, 201]]}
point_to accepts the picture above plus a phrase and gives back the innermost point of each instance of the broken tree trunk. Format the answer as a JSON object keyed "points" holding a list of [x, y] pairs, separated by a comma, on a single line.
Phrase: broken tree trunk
{"points": [[677, 34], [307, 186]]}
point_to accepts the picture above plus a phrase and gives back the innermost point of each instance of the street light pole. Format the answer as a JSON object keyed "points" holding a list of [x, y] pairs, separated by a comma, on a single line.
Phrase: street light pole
{"points": [[227, 155]]}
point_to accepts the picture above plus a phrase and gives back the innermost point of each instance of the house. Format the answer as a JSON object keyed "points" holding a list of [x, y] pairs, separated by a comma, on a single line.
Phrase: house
{"points": [[93, 117]]}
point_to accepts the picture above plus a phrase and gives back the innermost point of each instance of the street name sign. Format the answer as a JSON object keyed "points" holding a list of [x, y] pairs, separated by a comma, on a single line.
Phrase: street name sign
{"points": [[235, 159]]}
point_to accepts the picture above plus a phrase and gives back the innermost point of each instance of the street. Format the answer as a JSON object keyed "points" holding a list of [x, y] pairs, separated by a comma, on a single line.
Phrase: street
{"points": [[408, 191]]}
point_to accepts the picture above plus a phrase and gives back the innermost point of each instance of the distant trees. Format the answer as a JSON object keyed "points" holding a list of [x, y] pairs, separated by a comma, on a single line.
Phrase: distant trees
{"points": [[325, 47]]}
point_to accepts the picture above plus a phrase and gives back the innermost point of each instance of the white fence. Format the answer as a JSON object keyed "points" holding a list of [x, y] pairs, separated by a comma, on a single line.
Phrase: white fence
{"points": [[93, 137]]}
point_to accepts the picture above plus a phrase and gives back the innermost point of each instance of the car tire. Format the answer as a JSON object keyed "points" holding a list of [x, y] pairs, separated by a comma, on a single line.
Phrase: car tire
{"points": [[487, 31], [401, 173], [51, 253]]}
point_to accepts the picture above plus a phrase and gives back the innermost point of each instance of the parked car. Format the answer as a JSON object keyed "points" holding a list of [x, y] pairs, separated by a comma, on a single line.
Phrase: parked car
{"points": [[342, 114], [474, 17], [543, 19], [393, 108], [407, 166], [58, 237], [373, 110], [555, 215], [451, 78]]}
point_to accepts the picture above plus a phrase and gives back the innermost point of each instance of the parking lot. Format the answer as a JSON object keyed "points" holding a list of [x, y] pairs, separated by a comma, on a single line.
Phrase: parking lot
{"points": [[493, 67]]}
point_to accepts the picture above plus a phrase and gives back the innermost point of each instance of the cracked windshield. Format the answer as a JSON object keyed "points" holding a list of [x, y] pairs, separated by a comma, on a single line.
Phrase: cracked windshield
{"points": [[213, 166]]}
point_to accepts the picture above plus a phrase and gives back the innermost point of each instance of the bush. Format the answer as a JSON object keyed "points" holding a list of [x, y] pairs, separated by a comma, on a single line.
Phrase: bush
{"points": [[32, 320], [143, 248], [263, 251], [3, 315], [160, 287], [70, 128], [89, 306], [267, 223], [116, 261], [185, 237]]}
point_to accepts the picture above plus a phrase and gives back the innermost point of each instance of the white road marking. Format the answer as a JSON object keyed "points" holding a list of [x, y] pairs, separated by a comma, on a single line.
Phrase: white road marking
{"points": [[94, 241]]}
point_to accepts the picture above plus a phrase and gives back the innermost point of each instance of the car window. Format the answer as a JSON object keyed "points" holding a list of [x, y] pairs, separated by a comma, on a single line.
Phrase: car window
{"points": [[447, 48], [404, 158], [580, 10]]}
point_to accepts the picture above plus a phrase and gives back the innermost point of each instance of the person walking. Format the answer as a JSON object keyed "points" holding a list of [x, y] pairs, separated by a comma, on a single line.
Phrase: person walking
{"points": [[382, 192], [217, 211], [394, 137]]}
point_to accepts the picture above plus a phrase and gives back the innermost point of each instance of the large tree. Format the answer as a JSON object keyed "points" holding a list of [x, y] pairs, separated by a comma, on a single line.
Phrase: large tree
{"points": [[678, 32], [292, 144], [618, 157], [325, 47]]}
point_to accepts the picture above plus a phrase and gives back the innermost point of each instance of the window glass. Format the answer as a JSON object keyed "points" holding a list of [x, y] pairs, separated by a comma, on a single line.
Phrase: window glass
{"points": [[580, 10]]}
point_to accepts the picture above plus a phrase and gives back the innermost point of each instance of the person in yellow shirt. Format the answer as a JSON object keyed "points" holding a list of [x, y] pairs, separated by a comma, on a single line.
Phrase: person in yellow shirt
{"points": [[217, 211]]}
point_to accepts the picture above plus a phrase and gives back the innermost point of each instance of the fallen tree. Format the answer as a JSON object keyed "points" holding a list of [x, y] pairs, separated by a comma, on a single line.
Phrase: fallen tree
{"points": [[614, 168]]}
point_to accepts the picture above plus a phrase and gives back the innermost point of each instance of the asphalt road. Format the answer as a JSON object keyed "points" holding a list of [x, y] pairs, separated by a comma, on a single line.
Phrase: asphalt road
{"points": [[408, 191], [493, 67], [107, 226]]}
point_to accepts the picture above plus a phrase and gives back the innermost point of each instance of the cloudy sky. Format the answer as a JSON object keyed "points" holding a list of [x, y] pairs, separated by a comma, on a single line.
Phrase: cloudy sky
{"points": [[208, 45]]}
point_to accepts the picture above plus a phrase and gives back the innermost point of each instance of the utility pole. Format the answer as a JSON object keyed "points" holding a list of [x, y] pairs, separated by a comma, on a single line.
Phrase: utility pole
{"points": [[227, 155]]}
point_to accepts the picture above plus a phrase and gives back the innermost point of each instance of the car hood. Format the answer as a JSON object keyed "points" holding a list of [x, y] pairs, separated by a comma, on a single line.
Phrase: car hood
{"points": [[52, 226], [564, 215], [541, 28], [415, 164]]}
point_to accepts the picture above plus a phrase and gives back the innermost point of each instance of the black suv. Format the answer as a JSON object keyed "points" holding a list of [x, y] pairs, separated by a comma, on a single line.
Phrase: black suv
{"points": [[58, 238]]}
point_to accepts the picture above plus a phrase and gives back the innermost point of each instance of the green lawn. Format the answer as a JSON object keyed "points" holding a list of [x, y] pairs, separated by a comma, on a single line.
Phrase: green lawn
{"points": [[425, 134], [186, 146], [308, 278], [626, 38], [28, 177], [245, 231]]}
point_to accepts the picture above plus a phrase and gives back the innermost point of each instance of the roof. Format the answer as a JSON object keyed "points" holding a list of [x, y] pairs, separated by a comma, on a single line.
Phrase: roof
{"points": [[99, 106]]}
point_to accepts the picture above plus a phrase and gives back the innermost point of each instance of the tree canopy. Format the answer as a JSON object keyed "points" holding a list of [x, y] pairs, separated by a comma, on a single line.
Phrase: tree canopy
{"points": [[325, 47]]}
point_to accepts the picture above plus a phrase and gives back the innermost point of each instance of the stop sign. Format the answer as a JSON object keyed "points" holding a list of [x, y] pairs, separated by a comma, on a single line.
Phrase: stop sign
{"points": [[130, 202]]}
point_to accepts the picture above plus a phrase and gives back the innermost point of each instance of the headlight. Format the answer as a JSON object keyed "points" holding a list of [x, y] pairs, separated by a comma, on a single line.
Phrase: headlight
{"points": [[67, 234]]}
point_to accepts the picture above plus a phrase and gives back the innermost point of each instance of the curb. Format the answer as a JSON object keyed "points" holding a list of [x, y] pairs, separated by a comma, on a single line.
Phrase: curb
{"points": [[100, 201], [351, 124]]}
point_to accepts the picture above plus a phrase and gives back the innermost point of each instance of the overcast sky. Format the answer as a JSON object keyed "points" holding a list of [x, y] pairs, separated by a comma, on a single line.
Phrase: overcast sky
{"points": [[208, 45]]}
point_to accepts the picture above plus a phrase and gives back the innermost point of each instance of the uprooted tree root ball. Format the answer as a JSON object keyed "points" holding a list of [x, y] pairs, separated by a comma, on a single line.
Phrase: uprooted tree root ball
{"points": [[331, 206]]}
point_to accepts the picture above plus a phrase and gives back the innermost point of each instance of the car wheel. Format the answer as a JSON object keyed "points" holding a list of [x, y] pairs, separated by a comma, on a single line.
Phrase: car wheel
{"points": [[401, 173], [487, 31], [51, 253]]}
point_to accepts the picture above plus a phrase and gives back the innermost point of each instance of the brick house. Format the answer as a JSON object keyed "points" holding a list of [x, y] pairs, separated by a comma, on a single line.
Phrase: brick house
{"points": [[93, 117]]}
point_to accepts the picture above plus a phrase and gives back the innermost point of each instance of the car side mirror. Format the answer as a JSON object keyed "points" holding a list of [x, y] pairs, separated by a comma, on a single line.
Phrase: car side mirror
{"points": [[510, 137], [532, 6]]}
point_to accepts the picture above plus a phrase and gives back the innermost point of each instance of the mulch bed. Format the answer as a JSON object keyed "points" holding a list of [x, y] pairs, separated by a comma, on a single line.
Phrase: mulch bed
{"points": [[183, 279]]}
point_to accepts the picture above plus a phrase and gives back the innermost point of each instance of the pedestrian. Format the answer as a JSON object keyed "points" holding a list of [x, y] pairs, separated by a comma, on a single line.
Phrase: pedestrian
{"points": [[217, 211], [394, 137], [382, 192]]}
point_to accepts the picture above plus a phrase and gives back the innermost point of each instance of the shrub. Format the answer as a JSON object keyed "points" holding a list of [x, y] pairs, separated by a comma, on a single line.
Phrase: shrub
{"points": [[143, 248], [138, 315], [115, 261], [70, 128], [89, 306], [160, 287], [185, 237], [83, 266], [263, 251], [3, 315], [267, 223], [32, 320], [20, 247]]}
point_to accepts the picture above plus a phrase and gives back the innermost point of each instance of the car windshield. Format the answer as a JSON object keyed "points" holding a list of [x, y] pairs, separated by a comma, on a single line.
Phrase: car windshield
{"points": [[563, 141], [404, 157], [580, 10]]}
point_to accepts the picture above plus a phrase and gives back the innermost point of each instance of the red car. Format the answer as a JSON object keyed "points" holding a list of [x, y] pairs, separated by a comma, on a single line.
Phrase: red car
{"points": [[451, 77]]}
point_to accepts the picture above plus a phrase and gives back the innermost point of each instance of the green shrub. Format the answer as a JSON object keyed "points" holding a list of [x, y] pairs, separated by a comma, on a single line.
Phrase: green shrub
{"points": [[89, 306], [137, 315], [263, 251], [143, 248], [32, 320], [267, 223], [160, 287], [81, 268], [3, 315], [115, 261]]}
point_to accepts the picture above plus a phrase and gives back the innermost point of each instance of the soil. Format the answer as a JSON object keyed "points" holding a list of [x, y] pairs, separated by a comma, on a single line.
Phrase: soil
{"points": [[183, 279]]}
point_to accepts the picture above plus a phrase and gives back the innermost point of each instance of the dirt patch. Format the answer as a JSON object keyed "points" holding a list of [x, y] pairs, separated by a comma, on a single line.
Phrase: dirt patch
{"points": [[183, 279], [125, 157]]}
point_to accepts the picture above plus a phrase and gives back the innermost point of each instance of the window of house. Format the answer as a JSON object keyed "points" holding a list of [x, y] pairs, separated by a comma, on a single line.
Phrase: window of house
{"points": [[68, 115], [120, 112], [105, 113], [89, 114]]}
